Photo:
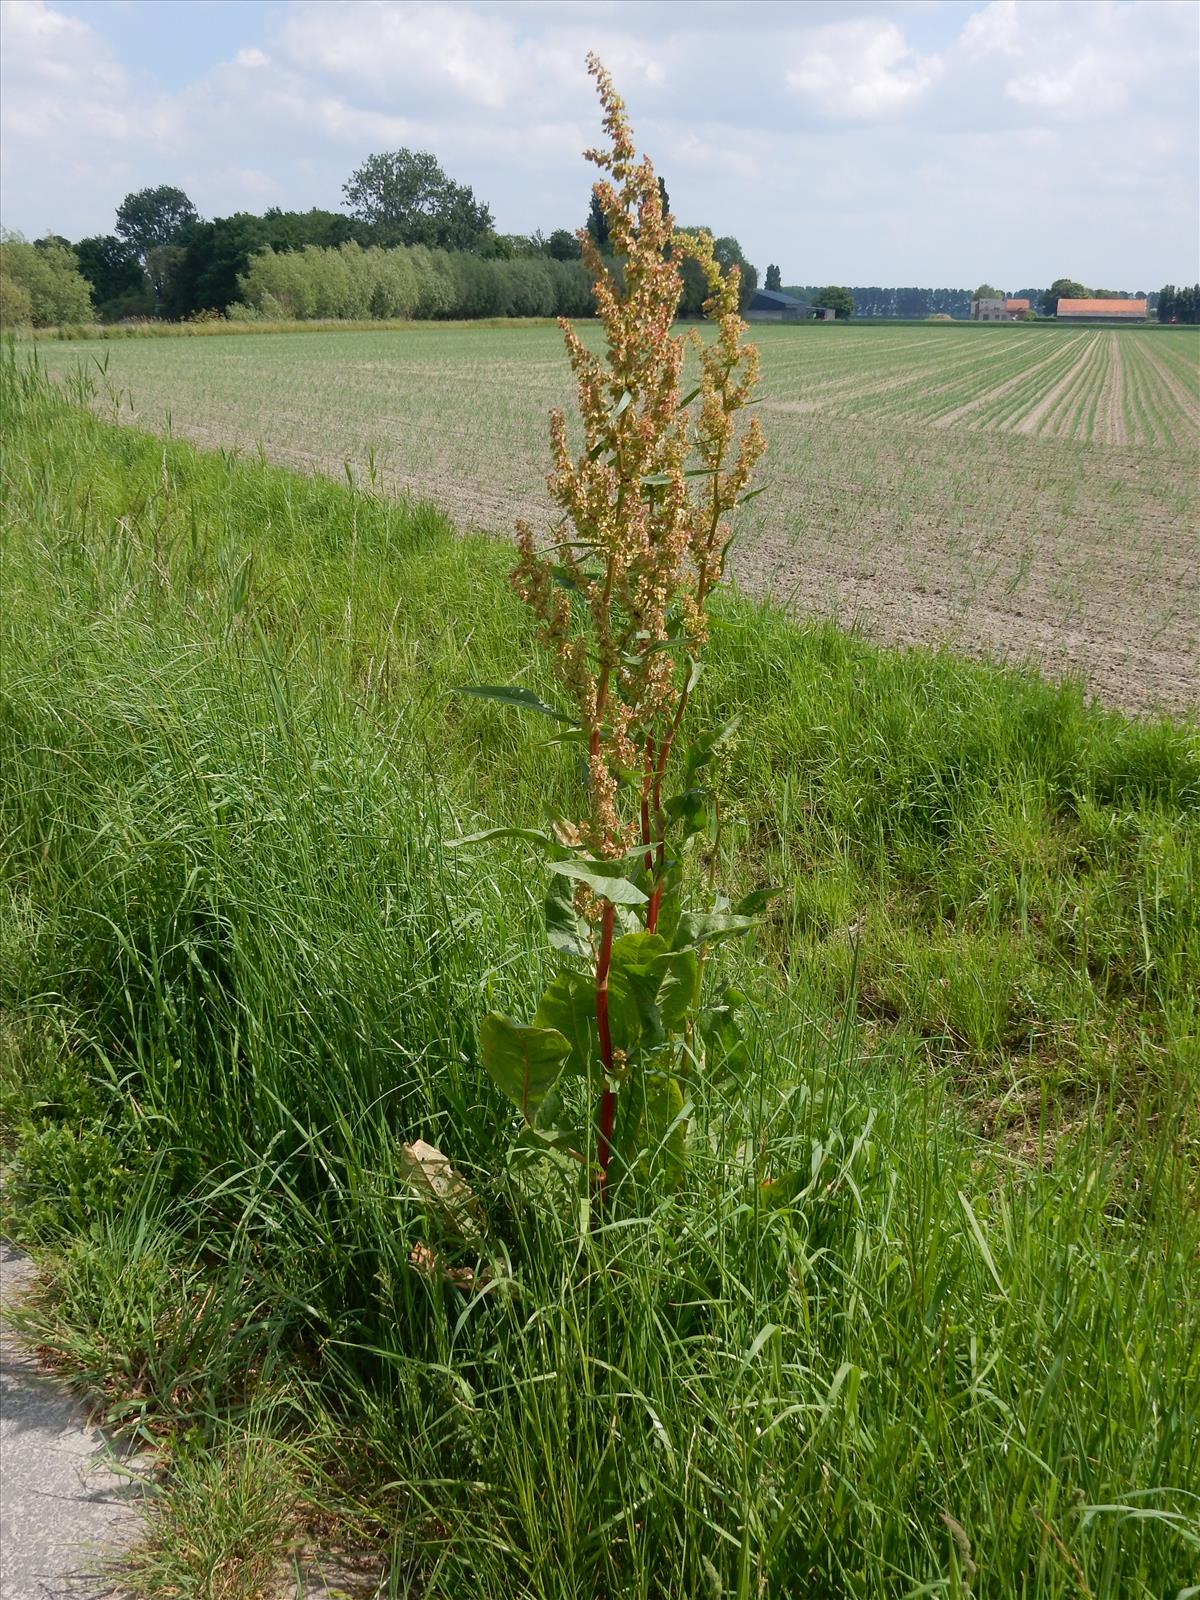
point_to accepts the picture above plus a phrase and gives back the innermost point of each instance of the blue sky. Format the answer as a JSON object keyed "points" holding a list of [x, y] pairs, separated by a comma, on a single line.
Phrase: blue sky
{"points": [[933, 142]]}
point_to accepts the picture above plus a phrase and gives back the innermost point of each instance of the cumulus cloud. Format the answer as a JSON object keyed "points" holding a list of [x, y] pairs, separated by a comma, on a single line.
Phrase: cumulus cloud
{"points": [[59, 73], [394, 47], [862, 69], [1082, 62]]}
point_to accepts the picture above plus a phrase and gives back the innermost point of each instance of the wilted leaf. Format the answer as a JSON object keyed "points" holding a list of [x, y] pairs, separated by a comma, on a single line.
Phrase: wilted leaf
{"points": [[429, 1174]]}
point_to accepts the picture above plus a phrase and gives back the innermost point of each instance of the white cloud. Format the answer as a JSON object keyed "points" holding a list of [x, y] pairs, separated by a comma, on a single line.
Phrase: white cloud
{"points": [[503, 59], [389, 47], [862, 69], [1088, 86], [65, 89], [1081, 62], [996, 30], [251, 58]]}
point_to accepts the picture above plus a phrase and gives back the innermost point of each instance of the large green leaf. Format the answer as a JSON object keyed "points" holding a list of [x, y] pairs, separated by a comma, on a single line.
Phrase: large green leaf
{"points": [[652, 988], [633, 1016], [726, 1056], [603, 878], [569, 1007], [524, 1061], [652, 1126], [679, 988], [565, 928], [511, 695], [710, 927], [670, 905], [665, 1128]]}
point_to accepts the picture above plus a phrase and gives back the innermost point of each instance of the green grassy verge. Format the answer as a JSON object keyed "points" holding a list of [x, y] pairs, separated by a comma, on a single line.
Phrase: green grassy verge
{"points": [[238, 968], [215, 326]]}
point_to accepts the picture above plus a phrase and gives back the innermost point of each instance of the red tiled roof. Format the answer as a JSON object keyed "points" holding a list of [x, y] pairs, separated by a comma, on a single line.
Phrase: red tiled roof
{"points": [[1016, 305], [1102, 308]]}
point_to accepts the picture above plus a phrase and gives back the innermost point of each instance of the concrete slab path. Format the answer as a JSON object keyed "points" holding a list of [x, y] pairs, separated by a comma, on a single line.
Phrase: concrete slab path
{"points": [[64, 1511]]}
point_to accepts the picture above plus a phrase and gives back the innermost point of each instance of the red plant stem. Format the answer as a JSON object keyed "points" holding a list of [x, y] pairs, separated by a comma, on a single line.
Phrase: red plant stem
{"points": [[647, 780], [608, 1097], [659, 869]]}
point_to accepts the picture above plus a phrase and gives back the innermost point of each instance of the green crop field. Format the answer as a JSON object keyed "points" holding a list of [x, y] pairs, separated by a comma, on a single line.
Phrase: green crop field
{"points": [[1020, 493]]}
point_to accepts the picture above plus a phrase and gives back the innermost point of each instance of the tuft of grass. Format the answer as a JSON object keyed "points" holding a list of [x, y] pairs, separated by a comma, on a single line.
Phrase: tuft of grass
{"points": [[240, 970], [226, 1528]]}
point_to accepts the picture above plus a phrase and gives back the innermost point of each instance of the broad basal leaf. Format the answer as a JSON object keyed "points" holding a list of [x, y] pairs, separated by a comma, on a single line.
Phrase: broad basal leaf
{"points": [[710, 927], [569, 1007], [524, 1061]]}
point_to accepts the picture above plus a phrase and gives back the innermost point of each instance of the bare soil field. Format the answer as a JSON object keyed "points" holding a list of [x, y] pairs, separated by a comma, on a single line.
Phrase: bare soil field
{"points": [[1024, 494]]}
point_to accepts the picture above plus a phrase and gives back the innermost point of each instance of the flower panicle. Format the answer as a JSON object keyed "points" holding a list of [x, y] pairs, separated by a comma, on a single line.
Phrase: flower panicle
{"points": [[620, 597]]}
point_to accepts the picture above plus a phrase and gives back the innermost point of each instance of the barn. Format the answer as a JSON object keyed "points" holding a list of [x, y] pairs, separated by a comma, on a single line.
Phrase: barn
{"points": [[1101, 311], [772, 305]]}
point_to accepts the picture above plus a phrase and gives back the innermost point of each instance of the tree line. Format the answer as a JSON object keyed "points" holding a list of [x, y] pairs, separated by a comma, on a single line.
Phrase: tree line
{"points": [[163, 260], [350, 281], [1179, 305]]}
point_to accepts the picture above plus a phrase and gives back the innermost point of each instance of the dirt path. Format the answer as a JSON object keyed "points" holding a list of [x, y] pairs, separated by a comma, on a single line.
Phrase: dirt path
{"points": [[1110, 413]]}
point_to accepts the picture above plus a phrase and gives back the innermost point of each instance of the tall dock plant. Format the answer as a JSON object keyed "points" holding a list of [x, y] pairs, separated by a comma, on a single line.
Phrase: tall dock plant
{"points": [[621, 597]]}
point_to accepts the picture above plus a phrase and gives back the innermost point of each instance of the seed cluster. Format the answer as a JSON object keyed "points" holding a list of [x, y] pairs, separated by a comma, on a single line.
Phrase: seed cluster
{"points": [[620, 594]]}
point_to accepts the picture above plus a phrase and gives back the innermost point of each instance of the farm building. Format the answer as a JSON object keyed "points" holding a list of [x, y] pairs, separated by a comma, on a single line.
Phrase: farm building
{"points": [[1102, 311], [989, 309], [772, 305]]}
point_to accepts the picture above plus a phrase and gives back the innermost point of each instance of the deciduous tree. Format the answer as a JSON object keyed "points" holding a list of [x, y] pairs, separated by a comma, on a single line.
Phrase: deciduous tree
{"points": [[112, 268], [837, 299], [563, 245], [404, 197], [150, 218], [1061, 289], [44, 278]]}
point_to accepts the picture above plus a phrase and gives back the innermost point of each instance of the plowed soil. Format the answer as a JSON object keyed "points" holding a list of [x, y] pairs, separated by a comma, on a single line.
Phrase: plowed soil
{"points": [[1024, 494]]}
